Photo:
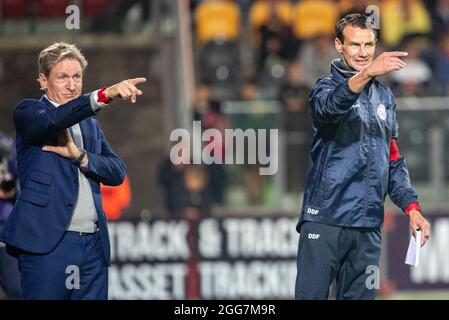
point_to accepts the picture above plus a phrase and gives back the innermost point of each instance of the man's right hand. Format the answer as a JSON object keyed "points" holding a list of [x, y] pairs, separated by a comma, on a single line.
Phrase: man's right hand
{"points": [[65, 146], [126, 89], [384, 63]]}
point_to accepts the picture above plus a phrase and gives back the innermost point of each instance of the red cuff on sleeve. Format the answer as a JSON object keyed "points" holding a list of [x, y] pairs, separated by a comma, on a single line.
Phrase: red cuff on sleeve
{"points": [[394, 151], [102, 97], [413, 206]]}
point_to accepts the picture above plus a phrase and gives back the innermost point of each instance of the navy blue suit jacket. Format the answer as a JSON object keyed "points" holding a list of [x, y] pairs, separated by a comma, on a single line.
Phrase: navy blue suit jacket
{"points": [[49, 183]]}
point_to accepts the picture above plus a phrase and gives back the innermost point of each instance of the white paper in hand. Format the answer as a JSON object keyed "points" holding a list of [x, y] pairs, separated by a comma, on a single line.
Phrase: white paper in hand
{"points": [[412, 257]]}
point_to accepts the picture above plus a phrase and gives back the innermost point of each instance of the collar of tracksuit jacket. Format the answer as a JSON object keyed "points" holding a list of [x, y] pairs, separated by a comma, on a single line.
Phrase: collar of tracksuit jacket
{"points": [[340, 69]]}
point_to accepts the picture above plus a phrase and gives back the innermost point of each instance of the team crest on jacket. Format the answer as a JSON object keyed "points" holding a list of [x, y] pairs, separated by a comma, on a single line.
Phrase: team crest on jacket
{"points": [[381, 112]]}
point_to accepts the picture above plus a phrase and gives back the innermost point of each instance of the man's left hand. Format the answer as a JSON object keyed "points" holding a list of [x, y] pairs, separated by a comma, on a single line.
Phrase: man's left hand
{"points": [[66, 147], [417, 221]]}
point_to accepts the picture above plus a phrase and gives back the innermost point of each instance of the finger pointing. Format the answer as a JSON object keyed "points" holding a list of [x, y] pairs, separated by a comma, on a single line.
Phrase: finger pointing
{"points": [[397, 54], [136, 81]]}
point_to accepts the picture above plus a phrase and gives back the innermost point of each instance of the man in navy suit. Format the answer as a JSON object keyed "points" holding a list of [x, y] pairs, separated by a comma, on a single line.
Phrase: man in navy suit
{"points": [[58, 228]]}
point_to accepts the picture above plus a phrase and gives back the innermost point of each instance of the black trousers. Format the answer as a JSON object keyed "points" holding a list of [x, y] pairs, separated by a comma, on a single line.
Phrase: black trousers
{"points": [[348, 255]]}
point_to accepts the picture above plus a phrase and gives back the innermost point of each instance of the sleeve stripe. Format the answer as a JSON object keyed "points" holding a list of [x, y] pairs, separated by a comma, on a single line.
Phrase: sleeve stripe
{"points": [[98, 100], [394, 150]]}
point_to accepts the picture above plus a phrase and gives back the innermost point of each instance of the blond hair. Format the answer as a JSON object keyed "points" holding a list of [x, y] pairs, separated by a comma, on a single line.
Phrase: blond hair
{"points": [[59, 51]]}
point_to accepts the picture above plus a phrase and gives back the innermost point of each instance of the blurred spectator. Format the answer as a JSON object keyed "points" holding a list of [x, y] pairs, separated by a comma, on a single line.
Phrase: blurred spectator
{"points": [[294, 97], [8, 154], [263, 12], [441, 65], [188, 197], [12, 162], [315, 55], [197, 196], [6, 144], [217, 19], [272, 73], [171, 178], [186, 189], [203, 95], [116, 199], [255, 184], [403, 17], [294, 93], [250, 90], [245, 6], [217, 31], [9, 269], [414, 79], [214, 118], [278, 39], [440, 19], [314, 17], [196, 205], [219, 65], [270, 23]]}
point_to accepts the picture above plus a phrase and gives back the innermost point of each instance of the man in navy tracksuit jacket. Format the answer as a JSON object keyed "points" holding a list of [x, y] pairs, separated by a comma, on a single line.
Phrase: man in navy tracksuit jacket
{"points": [[356, 163]]}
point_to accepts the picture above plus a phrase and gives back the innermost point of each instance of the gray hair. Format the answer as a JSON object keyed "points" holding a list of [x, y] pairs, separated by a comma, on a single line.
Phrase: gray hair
{"points": [[59, 51]]}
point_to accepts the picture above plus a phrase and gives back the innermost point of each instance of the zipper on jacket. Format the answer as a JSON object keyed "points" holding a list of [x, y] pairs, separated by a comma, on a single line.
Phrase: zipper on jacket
{"points": [[369, 160], [324, 164]]}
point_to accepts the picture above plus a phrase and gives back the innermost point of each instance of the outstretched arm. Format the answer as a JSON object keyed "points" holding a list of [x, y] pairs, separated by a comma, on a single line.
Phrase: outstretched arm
{"points": [[35, 123], [330, 103]]}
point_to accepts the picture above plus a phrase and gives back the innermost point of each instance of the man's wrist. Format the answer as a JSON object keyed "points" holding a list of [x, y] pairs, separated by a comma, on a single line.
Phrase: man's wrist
{"points": [[366, 76], [75, 155], [103, 96], [84, 163], [81, 157], [413, 206], [357, 82], [99, 100]]}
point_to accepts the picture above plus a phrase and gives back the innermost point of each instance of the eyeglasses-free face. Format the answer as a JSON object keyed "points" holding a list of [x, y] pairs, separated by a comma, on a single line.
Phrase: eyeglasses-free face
{"points": [[65, 81]]}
